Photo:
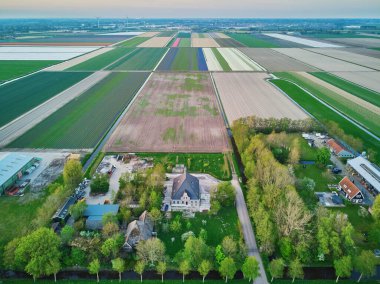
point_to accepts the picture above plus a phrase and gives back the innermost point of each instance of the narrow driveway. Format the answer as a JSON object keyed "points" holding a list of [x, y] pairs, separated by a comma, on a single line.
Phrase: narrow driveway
{"points": [[246, 225]]}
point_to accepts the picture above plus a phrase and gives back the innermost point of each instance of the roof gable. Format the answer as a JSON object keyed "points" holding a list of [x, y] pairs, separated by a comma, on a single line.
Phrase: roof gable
{"points": [[186, 183], [349, 188]]}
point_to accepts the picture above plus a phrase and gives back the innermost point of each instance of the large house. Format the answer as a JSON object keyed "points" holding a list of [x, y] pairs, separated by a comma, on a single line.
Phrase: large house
{"points": [[338, 150], [138, 230], [350, 190], [186, 193]]}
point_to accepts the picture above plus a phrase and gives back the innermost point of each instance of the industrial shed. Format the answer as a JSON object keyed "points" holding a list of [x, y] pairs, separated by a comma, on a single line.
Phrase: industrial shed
{"points": [[95, 213], [12, 168]]}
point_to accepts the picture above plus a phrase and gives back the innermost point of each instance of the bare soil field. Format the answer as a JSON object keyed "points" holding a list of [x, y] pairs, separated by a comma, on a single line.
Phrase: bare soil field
{"points": [[362, 42], [175, 112], [364, 51], [77, 60], [359, 59], [156, 42], [204, 42], [274, 61], [238, 61], [211, 60], [369, 80], [320, 61], [304, 41], [248, 94], [340, 92], [219, 35], [148, 34]]}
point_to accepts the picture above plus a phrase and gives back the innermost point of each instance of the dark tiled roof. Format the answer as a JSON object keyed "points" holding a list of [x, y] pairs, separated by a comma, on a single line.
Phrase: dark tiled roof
{"points": [[186, 183]]}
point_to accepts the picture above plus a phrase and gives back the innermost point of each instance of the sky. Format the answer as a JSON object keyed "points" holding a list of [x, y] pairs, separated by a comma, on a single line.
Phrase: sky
{"points": [[190, 8]]}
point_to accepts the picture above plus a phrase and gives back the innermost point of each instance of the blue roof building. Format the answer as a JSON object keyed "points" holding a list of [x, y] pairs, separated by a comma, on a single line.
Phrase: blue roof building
{"points": [[95, 213]]}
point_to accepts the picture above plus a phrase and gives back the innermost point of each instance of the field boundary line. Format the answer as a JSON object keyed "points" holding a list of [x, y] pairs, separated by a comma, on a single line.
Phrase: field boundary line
{"points": [[244, 56], [119, 59], [221, 108], [333, 109], [162, 58], [311, 66]]}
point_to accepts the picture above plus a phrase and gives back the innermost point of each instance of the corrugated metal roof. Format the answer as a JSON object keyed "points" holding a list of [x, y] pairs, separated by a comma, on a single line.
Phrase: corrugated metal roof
{"points": [[367, 170], [11, 164], [100, 210]]}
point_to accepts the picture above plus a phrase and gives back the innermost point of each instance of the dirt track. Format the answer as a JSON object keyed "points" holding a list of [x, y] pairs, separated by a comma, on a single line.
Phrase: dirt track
{"points": [[248, 94], [173, 113]]}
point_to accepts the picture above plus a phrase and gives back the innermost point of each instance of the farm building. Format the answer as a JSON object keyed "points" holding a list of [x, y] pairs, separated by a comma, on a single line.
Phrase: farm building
{"points": [[95, 213], [12, 168], [367, 173], [338, 150], [186, 194], [350, 190], [138, 230]]}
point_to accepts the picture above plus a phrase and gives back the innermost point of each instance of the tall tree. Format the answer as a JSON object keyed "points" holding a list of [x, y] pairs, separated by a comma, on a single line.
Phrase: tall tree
{"points": [[225, 193], [323, 156], [161, 269], [228, 268], [77, 210], [184, 268], [376, 208], [118, 265], [67, 234], [343, 267], [94, 268], [365, 263], [139, 268], [155, 215], [204, 268], [276, 268], [72, 174], [229, 246], [110, 247], [152, 250], [250, 268], [295, 269], [195, 251]]}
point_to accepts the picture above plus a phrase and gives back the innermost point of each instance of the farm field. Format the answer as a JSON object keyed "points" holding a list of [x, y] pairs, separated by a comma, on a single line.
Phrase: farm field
{"points": [[320, 61], [103, 60], [228, 42], [81, 123], [139, 59], [176, 42], [325, 115], [219, 35], [200, 35], [356, 90], [184, 35], [155, 42], [180, 113], [303, 41], [185, 42], [274, 61], [334, 35], [250, 40], [359, 110], [364, 51], [362, 42], [148, 34], [166, 34], [183, 59], [24, 94], [215, 61], [238, 61], [345, 55], [133, 42], [78, 60], [11, 69], [248, 94], [203, 42], [368, 80]]}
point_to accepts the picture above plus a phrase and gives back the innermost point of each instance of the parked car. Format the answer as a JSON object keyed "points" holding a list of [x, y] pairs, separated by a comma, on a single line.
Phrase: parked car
{"points": [[376, 252], [336, 170]]}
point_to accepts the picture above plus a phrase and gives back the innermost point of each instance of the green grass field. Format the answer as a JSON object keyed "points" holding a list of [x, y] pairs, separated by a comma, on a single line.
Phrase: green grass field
{"points": [[101, 61], [166, 33], [221, 60], [184, 35], [24, 94], [250, 40], [356, 90], [185, 42], [133, 42], [356, 112], [11, 69], [140, 59], [324, 114], [213, 164], [84, 121]]}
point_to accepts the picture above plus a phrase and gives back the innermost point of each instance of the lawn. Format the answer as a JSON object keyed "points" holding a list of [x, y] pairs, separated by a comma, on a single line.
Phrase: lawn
{"points": [[250, 40], [213, 164], [324, 114], [187, 281], [103, 60], [84, 121], [11, 69], [24, 94], [356, 90], [185, 42], [133, 42], [356, 112], [184, 59], [140, 59], [225, 223], [221, 60]]}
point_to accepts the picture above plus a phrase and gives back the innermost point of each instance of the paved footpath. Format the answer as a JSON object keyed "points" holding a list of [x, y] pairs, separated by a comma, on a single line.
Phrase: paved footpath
{"points": [[246, 225]]}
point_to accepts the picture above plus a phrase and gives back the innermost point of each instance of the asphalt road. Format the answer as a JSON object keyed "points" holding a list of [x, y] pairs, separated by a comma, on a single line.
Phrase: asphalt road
{"points": [[246, 225]]}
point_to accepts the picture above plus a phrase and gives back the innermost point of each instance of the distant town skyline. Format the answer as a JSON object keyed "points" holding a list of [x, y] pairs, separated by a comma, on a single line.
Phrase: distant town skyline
{"points": [[190, 9]]}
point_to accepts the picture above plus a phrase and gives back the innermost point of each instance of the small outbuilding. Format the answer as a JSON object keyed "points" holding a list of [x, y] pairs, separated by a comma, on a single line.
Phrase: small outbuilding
{"points": [[138, 230], [94, 215], [338, 149]]}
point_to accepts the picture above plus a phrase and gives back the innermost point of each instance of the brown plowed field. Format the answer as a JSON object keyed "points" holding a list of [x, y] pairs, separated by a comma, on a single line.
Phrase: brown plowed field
{"points": [[175, 112]]}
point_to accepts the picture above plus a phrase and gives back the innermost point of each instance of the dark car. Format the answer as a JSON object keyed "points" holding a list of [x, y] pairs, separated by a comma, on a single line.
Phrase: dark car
{"points": [[336, 170]]}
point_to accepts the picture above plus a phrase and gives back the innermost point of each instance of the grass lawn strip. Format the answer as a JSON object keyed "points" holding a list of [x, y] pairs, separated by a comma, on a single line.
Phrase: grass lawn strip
{"points": [[11, 69], [324, 114], [81, 123], [133, 42], [139, 59], [221, 60], [356, 112]]}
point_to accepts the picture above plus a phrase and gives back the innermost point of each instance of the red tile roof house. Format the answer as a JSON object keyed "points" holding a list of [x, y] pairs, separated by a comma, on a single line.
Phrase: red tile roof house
{"points": [[338, 150], [350, 190]]}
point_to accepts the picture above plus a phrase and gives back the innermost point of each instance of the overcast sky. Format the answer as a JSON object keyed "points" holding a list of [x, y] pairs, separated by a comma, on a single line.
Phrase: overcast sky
{"points": [[191, 8]]}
